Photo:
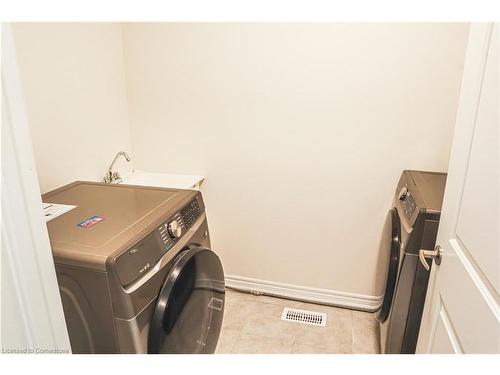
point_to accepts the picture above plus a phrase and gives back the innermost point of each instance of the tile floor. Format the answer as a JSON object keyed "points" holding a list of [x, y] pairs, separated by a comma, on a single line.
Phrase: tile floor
{"points": [[252, 324]]}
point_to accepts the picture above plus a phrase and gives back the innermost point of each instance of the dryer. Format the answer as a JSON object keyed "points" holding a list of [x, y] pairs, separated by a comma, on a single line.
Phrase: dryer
{"points": [[412, 224], [135, 270]]}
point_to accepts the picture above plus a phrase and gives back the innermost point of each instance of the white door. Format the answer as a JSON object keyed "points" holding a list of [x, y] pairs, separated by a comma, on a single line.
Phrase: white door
{"points": [[32, 317], [462, 312]]}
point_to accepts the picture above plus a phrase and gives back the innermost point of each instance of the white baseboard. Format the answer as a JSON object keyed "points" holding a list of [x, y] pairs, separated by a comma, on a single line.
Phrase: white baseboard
{"points": [[307, 294]]}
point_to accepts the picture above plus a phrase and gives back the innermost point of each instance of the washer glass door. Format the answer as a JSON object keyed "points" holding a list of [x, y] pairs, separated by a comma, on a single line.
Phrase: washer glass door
{"points": [[189, 310], [393, 247]]}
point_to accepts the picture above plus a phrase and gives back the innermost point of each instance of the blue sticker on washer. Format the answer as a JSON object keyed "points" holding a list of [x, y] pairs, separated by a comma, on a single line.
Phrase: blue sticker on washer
{"points": [[90, 221]]}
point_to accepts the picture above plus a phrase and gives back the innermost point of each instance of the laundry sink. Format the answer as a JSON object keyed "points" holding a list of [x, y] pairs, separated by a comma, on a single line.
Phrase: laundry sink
{"points": [[165, 180]]}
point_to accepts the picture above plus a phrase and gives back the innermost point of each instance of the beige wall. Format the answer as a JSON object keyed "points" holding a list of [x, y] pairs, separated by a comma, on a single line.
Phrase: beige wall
{"points": [[74, 87], [301, 130]]}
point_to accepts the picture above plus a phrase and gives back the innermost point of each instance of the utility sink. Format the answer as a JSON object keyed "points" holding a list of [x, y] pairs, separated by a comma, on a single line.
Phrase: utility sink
{"points": [[164, 180]]}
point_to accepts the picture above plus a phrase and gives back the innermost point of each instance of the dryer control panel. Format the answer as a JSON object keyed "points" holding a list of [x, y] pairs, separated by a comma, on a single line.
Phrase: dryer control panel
{"points": [[407, 202]]}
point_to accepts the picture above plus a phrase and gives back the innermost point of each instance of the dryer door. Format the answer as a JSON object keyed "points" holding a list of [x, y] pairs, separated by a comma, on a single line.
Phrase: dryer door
{"points": [[189, 310], [393, 246]]}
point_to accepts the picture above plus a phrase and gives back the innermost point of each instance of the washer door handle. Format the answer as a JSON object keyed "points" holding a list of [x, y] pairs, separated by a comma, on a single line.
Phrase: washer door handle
{"points": [[435, 254]]}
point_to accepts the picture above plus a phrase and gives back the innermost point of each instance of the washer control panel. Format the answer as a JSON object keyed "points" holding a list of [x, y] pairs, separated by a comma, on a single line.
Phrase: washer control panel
{"points": [[191, 212], [143, 255], [179, 223]]}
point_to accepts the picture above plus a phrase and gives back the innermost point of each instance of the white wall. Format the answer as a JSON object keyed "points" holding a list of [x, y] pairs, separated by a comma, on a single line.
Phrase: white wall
{"points": [[301, 130], [74, 86]]}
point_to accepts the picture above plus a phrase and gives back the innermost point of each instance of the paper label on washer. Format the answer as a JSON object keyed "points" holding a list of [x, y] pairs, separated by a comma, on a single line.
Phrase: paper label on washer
{"points": [[53, 210]]}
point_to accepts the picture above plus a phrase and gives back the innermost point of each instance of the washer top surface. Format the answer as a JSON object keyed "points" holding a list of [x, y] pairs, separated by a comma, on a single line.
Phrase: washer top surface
{"points": [[127, 212]]}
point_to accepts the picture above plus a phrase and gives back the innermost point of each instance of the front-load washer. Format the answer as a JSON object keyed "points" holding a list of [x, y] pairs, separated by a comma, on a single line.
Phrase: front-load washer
{"points": [[135, 270], [411, 225]]}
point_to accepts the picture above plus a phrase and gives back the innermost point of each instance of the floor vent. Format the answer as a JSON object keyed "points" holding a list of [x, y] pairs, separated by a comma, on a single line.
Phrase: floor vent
{"points": [[304, 316]]}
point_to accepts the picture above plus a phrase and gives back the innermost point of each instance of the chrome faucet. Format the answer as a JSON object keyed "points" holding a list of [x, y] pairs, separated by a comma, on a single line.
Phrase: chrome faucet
{"points": [[115, 176]]}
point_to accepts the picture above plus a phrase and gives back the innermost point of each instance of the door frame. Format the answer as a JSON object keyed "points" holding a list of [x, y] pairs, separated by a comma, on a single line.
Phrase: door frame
{"points": [[26, 251]]}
